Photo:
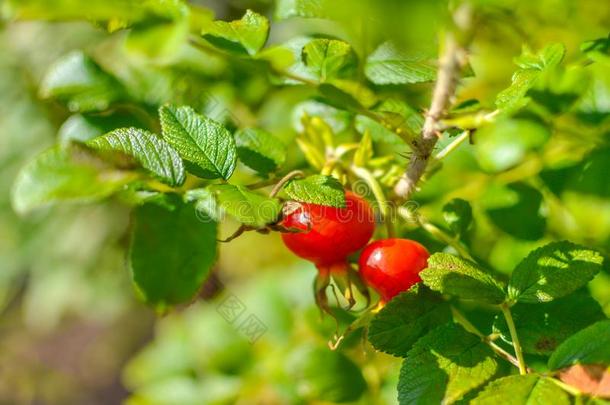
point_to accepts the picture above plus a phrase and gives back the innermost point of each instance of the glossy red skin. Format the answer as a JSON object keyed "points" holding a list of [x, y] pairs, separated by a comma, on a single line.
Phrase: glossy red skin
{"points": [[392, 266], [334, 233]]}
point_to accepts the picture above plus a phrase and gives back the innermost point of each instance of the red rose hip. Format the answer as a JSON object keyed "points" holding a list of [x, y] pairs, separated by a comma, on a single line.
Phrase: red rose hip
{"points": [[392, 266], [328, 234]]}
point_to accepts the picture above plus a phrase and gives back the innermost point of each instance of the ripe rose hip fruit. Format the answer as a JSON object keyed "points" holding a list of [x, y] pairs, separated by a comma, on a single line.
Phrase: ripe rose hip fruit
{"points": [[328, 234], [392, 266]]}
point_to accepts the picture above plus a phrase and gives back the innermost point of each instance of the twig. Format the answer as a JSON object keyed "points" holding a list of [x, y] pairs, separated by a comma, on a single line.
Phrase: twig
{"points": [[453, 145], [448, 73], [514, 337], [572, 390], [435, 231], [462, 320]]}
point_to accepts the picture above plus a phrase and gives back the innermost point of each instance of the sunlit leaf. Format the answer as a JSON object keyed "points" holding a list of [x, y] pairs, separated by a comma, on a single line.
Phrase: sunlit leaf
{"points": [[553, 271], [152, 152], [204, 143], [389, 65]]}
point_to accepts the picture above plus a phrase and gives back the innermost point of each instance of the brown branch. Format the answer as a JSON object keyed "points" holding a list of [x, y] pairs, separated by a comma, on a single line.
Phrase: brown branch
{"points": [[448, 74]]}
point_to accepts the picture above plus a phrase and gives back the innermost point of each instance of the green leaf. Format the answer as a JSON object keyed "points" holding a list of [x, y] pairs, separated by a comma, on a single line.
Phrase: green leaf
{"points": [[531, 68], [364, 153], [596, 45], [287, 57], [516, 209], [458, 215], [245, 206], [324, 375], [347, 95], [443, 366], [553, 271], [152, 152], [506, 142], [513, 98], [159, 42], [398, 117], [590, 176], [97, 10], [171, 253], [317, 189], [600, 45], [247, 35], [301, 8], [337, 120], [542, 327], [551, 55], [81, 83], [405, 319], [69, 174], [161, 38], [455, 276], [259, 150], [204, 143], [390, 65], [328, 58], [522, 390], [589, 346]]}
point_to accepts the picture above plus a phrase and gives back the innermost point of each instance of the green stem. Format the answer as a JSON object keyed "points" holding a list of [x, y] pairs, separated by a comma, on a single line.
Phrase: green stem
{"points": [[276, 189], [435, 231], [462, 320], [443, 236], [377, 191], [328, 167], [566, 387], [453, 145], [514, 337]]}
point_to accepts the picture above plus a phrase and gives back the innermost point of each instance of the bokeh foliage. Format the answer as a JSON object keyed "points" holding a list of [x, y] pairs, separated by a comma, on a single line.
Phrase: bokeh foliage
{"points": [[72, 71]]}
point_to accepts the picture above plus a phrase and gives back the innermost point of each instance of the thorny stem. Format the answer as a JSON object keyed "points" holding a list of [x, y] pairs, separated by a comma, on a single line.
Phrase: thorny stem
{"points": [[462, 320], [514, 337], [450, 65]]}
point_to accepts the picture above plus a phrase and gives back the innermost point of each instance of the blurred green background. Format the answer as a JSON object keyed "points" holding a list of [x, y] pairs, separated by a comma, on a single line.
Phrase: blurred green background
{"points": [[71, 329]]}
